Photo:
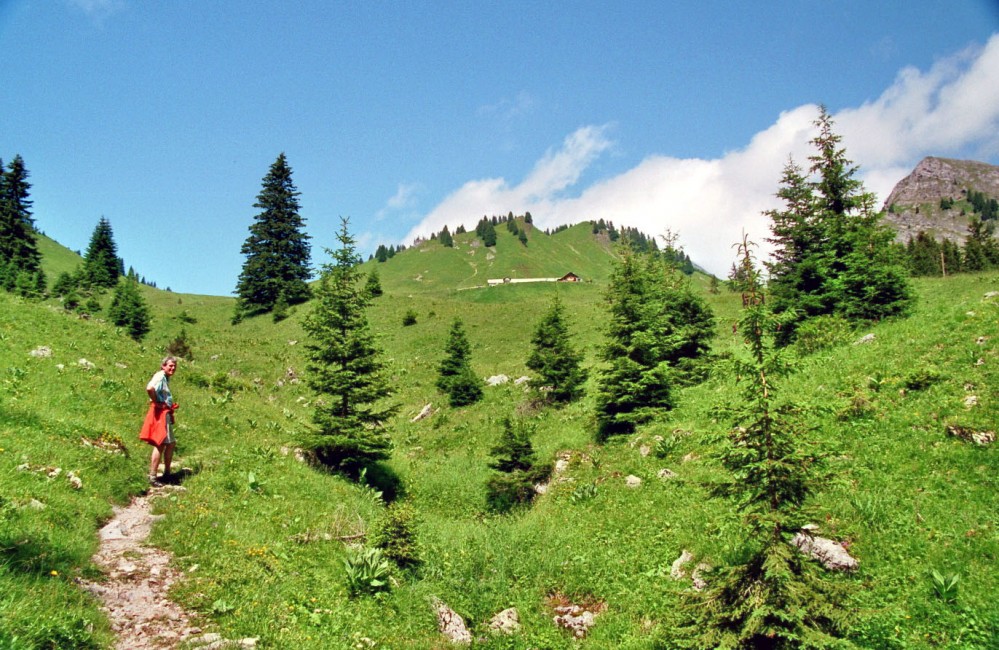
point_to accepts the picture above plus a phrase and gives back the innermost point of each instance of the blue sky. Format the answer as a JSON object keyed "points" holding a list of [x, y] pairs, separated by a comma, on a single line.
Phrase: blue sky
{"points": [[164, 117]]}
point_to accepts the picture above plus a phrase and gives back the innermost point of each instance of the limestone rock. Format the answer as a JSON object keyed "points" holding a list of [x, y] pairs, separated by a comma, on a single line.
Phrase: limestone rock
{"points": [[497, 380], [632, 481], [451, 624], [41, 352], [974, 436], [830, 553], [677, 571], [424, 413], [506, 622]]}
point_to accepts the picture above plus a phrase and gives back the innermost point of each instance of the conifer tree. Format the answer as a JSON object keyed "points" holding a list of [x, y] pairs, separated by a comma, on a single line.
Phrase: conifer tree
{"points": [[517, 468], [445, 238], [833, 254], [129, 310], [101, 266], [635, 384], [18, 248], [560, 375], [346, 368], [373, 285], [455, 375], [775, 598], [277, 250], [981, 253]]}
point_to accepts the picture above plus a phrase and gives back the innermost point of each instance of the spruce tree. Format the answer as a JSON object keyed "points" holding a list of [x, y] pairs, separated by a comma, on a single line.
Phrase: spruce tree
{"points": [[833, 254], [18, 248], [560, 375], [102, 266], [455, 375], [774, 597], [445, 238], [129, 310], [516, 466], [277, 250], [635, 383], [373, 285], [346, 368]]}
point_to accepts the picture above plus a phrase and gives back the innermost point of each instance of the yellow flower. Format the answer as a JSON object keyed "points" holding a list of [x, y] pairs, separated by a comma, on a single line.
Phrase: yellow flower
{"points": [[53, 572]]}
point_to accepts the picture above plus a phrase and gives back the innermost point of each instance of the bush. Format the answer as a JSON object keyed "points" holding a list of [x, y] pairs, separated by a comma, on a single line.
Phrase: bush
{"points": [[395, 535], [180, 347], [409, 318], [821, 333]]}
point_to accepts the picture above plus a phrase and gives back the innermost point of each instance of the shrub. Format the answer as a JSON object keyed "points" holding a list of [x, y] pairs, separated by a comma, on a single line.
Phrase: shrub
{"points": [[409, 318], [395, 535], [821, 333], [180, 347]]}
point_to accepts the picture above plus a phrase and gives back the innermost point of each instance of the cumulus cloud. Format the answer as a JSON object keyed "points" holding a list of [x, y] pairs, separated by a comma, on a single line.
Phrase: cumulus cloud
{"points": [[951, 108], [403, 199]]}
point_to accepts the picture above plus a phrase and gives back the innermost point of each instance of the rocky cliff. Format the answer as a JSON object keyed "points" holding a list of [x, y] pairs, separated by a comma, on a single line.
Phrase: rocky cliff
{"points": [[914, 204]]}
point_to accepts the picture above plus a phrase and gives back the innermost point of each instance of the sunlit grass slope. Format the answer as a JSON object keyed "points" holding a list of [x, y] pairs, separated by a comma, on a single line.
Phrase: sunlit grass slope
{"points": [[258, 532]]}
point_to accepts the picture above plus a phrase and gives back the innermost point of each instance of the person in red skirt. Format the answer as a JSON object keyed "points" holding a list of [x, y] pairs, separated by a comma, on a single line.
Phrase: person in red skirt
{"points": [[157, 429]]}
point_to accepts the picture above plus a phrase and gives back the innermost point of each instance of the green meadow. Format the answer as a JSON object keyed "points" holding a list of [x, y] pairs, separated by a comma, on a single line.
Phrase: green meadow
{"points": [[261, 536]]}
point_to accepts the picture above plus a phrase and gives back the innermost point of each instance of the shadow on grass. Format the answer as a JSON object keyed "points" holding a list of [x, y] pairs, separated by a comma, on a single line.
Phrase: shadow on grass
{"points": [[383, 478]]}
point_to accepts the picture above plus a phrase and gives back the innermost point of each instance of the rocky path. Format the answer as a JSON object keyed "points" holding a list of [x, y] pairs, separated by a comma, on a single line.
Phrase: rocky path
{"points": [[138, 578]]}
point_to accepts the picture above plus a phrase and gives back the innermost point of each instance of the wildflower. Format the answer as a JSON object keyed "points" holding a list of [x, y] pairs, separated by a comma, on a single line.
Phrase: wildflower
{"points": [[53, 572]]}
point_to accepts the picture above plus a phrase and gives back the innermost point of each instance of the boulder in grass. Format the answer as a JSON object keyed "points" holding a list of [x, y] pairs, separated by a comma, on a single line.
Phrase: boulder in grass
{"points": [[451, 624], [980, 438], [506, 622], [830, 553]]}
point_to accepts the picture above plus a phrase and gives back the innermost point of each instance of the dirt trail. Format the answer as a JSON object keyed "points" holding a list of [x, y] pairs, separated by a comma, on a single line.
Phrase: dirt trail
{"points": [[138, 578]]}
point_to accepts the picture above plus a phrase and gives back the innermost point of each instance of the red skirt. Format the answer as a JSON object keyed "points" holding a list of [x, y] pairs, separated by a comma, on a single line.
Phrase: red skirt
{"points": [[154, 428]]}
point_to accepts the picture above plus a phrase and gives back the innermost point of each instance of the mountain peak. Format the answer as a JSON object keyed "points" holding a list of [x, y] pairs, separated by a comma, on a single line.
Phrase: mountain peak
{"points": [[914, 203]]}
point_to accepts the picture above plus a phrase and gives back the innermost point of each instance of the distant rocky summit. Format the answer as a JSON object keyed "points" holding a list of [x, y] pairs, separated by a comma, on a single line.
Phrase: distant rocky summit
{"points": [[918, 200]]}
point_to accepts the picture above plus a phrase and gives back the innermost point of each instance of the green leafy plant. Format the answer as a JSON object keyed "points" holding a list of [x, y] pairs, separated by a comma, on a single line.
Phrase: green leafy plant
{"points": [[367, 571], [583, 492], [945, 586]]}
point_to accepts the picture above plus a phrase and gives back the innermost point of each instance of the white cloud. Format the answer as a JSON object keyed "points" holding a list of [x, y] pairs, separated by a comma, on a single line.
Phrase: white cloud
{"points": [[98, 9], [509, 109], [951, 108]]}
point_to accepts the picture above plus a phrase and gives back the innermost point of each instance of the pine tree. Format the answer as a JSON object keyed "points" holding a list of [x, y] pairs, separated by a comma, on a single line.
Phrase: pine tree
{"points": [[516, 466], [445, 238], [346, 369], [978, 247], [18, 248], [129, 310], [455, 375], [560, 375], [775, 598], [373, 285], [277, 250], [833, 254], [635, 384], [102, 266]]}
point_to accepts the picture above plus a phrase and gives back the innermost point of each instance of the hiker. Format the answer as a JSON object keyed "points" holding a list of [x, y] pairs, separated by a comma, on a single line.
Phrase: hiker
{"points": [[157, 429]]}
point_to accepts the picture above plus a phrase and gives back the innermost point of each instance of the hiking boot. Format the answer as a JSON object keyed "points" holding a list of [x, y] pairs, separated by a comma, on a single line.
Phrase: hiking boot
{"points": [[155, 482]]}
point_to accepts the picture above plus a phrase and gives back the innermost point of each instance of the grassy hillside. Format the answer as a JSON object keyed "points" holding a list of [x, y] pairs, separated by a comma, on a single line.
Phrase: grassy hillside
{"points": [[906, 497], [429, 266]]}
